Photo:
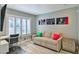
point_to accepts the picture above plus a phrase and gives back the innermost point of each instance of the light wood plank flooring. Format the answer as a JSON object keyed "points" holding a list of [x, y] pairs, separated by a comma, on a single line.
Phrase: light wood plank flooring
{"points": [[29, 48]]}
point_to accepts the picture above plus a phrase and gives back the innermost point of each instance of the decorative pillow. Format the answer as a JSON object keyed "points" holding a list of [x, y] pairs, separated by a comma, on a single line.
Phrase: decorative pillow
{"points": [[47, 34], [43, 34], [55, 36], [39, 34]]}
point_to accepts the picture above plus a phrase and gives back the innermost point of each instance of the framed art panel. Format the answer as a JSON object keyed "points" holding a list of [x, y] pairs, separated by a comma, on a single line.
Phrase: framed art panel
{"points": [[62, 20], [50, 21]]}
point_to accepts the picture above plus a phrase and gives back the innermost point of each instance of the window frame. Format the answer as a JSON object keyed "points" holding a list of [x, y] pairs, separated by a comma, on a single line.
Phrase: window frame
{"points": [[20, 24]]}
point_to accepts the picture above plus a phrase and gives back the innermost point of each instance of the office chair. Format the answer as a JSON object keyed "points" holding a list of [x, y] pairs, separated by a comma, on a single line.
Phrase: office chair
{"points": [[12, 41]]}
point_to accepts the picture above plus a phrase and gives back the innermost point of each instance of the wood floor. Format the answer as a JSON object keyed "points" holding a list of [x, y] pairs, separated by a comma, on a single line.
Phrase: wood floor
{"points": [[27, 47]]}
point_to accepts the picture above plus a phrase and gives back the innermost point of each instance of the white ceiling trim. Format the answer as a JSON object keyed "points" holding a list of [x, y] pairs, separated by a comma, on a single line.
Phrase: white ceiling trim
{"points": [[37, 9]]}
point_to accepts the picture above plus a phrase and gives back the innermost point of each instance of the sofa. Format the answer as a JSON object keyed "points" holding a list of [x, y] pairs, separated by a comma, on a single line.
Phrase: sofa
{"points": [[47, 41]]}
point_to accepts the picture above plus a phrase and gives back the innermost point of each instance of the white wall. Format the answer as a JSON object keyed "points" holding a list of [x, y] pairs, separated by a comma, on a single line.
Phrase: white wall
{"points": [[69, 30], [78, 22]]}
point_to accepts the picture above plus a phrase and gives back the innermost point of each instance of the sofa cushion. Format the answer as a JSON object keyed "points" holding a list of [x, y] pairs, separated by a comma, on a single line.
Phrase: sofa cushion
{"points": [[39, 34], [47, 34], [48, 42], [41, 38], [55, 36]]}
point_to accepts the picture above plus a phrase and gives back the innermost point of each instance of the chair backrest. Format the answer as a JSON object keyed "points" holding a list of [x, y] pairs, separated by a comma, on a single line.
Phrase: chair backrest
{"points": [[14, 35], [14, 38]]}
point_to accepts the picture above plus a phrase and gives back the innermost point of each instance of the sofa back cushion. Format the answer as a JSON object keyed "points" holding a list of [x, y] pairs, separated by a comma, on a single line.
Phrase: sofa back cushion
{"points": [[39, 34], [46, 34]]}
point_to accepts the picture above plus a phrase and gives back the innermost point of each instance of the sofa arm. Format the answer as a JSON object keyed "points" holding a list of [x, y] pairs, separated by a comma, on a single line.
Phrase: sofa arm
{"points": [[33, 36], [60, 38]]}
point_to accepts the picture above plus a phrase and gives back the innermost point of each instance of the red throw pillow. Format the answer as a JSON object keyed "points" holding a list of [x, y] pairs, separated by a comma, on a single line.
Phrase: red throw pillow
{"points": [[55, 36]]}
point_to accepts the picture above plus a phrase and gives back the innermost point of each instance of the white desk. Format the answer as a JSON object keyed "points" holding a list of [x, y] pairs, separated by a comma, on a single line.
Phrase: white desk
{"points": [[4, 45], [3, 37]]}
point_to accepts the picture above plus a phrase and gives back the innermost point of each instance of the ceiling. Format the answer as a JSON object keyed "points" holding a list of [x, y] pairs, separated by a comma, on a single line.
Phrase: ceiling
{"points": [[37, 9]]}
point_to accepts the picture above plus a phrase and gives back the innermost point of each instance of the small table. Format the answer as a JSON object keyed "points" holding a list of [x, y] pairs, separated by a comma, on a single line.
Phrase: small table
{"points": [[68, 44]]}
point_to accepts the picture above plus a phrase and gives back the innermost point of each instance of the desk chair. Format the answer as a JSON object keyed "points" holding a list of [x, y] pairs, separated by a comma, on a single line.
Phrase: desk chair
{"points": [[12, 41]]}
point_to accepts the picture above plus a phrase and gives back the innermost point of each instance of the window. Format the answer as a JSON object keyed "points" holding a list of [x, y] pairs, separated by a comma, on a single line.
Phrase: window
{"points": [[28, 26], [11, 25], [19, 25], [24, 26]]}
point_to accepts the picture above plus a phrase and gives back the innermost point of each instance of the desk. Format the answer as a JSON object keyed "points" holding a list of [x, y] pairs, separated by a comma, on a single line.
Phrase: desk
{"points": [[3, 37], [4, 45]]}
